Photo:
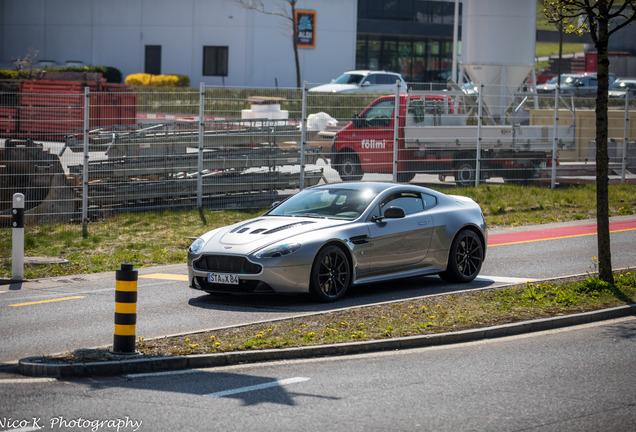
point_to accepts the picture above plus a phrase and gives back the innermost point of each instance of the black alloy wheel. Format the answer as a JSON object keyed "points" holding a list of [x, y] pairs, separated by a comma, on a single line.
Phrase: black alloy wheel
{"points": [[330, 274], [465, 257]]}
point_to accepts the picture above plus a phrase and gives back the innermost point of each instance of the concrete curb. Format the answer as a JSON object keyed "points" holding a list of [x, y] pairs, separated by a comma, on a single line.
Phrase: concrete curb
{"points": [[36, 367]]}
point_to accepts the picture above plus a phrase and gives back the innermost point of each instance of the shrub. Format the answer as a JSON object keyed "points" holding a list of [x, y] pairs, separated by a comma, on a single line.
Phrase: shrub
{"points": [[8, 74], [111, 74], [143, 79]]}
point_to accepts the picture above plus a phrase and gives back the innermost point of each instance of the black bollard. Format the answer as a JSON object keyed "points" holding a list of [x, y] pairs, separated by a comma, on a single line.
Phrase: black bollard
{"points": [[125, 310]]}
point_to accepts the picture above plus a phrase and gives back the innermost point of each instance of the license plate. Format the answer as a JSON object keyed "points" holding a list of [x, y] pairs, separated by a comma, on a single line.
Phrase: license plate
{"points": [[223, 278]]}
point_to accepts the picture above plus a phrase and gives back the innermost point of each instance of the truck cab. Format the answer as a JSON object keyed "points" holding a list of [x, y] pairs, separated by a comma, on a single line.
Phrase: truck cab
{"points": [[365, 144]]}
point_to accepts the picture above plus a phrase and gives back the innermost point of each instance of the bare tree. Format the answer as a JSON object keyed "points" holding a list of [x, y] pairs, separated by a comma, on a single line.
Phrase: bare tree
{"points": [[285, 9], [601, 18], [24, 65]]}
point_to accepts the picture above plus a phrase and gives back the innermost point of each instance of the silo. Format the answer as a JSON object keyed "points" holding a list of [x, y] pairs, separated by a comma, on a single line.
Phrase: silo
{"points": [[498, 47]]}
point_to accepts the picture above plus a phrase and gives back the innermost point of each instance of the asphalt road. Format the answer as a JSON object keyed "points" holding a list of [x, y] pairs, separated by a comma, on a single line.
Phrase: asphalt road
{"points": [[60, 314], [573, 379]]}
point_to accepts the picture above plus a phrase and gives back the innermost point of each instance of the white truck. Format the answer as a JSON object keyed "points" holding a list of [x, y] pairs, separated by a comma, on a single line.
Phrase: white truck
{"points": [[433, 139]]}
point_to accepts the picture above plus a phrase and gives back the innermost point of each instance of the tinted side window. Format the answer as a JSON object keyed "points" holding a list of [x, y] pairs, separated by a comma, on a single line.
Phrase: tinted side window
{"points": [[371, 79], [387, 79], [409, 202], [429, 201]]}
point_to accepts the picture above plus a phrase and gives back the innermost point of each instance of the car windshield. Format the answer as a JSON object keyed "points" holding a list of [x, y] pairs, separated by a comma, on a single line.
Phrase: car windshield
{"points": [[622, 85], [567, 80], [348, 79], [329, 203]]}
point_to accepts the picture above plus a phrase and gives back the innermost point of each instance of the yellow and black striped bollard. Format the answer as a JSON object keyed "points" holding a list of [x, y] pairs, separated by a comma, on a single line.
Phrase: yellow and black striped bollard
{"points": [[125, 310]]}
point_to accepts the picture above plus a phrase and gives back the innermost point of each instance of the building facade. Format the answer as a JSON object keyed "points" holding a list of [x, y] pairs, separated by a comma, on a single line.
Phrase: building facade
{"points": [[414, 38], [213, 41]]}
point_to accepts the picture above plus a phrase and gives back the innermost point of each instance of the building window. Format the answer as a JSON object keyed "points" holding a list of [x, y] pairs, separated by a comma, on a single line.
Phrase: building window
{"points": [[421, 11], [418, 60], [152, 64], [215, 60], [412, 37]]}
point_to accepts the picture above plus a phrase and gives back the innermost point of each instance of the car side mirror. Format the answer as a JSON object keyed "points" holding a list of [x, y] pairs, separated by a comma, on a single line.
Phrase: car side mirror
{"points": [[357, 121], [365, 84], [394, 213], [275, 204]]}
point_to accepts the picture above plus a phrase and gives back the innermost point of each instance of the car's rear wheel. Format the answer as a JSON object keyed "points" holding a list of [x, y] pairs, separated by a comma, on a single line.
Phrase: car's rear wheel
{"points": [[465, 257], [330, 274]]}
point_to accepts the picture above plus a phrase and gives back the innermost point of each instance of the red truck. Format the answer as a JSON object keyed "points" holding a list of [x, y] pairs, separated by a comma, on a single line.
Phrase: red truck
{"points": [[434, 139]]}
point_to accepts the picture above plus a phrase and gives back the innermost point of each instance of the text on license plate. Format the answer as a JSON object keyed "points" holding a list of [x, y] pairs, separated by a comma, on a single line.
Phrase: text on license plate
{"points": [[223, 278]]}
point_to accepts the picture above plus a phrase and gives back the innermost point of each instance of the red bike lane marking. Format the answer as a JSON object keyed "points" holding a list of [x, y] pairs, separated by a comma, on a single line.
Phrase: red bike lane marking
{"points": [[555, 233]]}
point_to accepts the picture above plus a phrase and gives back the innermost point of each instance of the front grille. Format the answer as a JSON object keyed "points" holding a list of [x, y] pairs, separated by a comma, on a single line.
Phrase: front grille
{"points": [[226, 264]]}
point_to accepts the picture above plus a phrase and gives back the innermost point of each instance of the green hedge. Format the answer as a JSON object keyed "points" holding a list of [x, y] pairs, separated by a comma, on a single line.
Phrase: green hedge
{"points": [[111, 74], [8, 75]]}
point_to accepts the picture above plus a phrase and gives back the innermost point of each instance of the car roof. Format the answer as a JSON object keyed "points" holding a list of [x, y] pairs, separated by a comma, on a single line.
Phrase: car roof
{"points": [[376, 186], [369, 72]]}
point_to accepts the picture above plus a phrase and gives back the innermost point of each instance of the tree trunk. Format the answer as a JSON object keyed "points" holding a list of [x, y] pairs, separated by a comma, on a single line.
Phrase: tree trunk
{"points": [[295, 41], [602, 159]]}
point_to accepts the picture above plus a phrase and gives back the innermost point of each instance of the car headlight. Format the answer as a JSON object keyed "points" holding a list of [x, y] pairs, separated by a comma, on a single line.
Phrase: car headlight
{"points": [[197, 246], [278, 250]]}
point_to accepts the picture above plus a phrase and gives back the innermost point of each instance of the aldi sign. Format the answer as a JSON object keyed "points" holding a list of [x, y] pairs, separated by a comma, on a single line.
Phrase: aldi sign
{"points": [[306, 29]]}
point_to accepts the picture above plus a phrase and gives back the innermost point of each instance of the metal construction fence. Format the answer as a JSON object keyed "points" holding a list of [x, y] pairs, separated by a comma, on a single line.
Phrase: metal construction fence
{"points": [[82, 151]]}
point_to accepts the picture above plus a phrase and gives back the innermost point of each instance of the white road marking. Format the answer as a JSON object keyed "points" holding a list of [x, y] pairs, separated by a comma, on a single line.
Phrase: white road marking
{"points": [[26, 381], [503, 279], [278, 383]]}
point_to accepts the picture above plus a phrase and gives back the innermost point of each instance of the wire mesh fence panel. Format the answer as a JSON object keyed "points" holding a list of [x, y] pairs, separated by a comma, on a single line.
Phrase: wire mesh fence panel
{"points": [[112, 148], [327, 114], [501, 136], [135, 160], [251, 147], [36, 120]]}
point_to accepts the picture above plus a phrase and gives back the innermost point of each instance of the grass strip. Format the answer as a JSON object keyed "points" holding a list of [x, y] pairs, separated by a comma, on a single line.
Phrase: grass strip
{"points": [[421, 316]]}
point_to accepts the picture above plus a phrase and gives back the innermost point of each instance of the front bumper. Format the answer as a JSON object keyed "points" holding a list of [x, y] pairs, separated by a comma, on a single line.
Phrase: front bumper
{"points": [[275, 275]]}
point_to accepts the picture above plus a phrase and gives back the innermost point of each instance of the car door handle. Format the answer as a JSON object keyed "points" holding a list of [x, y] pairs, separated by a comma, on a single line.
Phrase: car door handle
{"points": [[422, 223]]}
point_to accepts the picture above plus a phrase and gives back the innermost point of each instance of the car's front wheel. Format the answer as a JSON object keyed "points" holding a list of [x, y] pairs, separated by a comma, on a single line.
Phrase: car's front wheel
{"points": [[330, 274], [465, 257]]}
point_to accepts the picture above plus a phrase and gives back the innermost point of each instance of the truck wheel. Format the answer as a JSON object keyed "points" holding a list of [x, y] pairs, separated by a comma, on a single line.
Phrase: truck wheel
{"points": [[405, 176], [348, 166], [465, 174], [521, 177]]}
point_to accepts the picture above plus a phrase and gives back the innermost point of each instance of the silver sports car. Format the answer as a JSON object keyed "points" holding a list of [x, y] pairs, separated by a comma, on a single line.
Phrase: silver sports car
{"points": [[326, 238]]}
